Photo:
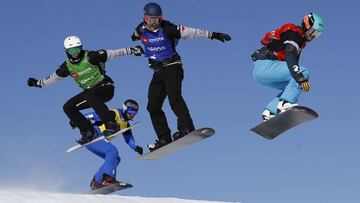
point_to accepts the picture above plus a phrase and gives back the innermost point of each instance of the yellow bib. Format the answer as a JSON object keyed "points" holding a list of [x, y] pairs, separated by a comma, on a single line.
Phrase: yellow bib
{"points": [[121, 123]]}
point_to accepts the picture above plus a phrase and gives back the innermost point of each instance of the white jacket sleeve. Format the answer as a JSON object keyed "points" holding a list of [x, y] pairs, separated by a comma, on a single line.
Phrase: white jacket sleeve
{"points": [[51, 79], [117, 52], [189, 32]]}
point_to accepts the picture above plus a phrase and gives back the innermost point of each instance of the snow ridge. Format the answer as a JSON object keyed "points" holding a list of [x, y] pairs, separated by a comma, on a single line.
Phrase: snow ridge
{"points": [[26, 196]]}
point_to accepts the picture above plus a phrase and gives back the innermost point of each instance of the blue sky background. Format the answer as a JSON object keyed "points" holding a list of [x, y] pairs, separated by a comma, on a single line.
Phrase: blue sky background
{"points": [[314, 163]]}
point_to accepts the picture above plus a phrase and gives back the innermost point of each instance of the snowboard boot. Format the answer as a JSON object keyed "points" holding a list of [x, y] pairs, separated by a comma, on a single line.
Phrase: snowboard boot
{"points": [[94, 185], [106, 181], [181, 133], [111, 128], [87, 136], [284, 106], [266, 115], [159, 143]]}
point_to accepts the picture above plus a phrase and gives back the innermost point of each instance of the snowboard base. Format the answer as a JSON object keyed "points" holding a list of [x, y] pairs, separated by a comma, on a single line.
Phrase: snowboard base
{"points": [[110, 189], [182, 142], [78, 146], [280, 123]]}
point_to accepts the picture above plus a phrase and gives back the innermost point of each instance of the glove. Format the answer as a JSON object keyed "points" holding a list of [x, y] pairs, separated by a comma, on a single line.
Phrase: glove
{"points": [[135, 36], [303, 82], [220, 36], [137, 50], [32, 82], [139, 150], [305, 86]]}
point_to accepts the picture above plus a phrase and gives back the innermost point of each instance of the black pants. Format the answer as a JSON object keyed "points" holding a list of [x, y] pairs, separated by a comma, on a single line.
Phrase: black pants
{"points": [[167, 82], [91, 98]]}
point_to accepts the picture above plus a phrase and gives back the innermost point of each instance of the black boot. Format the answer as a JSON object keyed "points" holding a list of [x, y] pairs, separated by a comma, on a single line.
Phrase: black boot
{"points": [[181, 133], [158, 143], [109, 180], [106, 181], [111, 128], [87, 136], [95, 185]]}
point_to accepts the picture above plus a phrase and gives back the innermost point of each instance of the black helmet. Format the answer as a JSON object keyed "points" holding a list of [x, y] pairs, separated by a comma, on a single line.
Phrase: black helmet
{"points": [[152, 9], [131, 107]]}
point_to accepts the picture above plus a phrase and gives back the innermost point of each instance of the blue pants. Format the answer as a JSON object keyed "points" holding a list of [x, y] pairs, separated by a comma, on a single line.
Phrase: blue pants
{"points": [[276, 74], [110, 154]]}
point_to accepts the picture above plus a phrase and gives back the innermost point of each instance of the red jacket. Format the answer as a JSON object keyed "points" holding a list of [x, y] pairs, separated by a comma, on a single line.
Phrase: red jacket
{"points": [[276, 35]]}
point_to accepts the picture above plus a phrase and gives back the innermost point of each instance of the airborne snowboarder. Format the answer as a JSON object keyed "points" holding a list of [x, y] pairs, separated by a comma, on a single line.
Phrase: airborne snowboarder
{"points": [[276, 64], [160, 38], [106, 175], [87, 68]]}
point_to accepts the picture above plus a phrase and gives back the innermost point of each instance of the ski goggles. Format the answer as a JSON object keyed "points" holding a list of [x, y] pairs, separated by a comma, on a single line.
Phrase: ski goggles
{"points": [[74, 50], [153, 20], [131, 112], [314, 33]]}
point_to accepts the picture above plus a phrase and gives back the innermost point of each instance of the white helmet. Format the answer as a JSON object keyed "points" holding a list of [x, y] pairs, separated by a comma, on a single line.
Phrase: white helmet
{"points": [[72, 41]]}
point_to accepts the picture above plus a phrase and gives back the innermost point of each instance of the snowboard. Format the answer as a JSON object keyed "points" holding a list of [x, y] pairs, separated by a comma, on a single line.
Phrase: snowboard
{"points": [[110, 189], [78, 146], [182, 142], [284, 121]]}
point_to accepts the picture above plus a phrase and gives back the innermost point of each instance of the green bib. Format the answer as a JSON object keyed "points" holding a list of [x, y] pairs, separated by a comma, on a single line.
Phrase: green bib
{"points": [[84, 73]]}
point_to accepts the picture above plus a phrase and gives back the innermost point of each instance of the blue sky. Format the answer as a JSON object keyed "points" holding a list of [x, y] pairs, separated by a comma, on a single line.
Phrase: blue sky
{"points": [[316, 162]]}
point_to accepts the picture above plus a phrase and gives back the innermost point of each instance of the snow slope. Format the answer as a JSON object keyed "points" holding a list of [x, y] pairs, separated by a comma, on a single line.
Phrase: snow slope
{"points": [[18, 196]]}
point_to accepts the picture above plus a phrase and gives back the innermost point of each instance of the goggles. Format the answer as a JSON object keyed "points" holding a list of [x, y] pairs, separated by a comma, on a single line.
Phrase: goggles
{"points": [[74, 51], [153, 20], [131, 112]]}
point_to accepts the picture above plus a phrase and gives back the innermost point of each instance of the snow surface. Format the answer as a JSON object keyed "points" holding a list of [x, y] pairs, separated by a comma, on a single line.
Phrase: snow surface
{"points": [[25, 196]]}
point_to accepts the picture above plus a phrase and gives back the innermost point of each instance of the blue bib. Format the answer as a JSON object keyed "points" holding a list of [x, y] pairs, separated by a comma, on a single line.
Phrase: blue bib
{"points": [[157, 46]]}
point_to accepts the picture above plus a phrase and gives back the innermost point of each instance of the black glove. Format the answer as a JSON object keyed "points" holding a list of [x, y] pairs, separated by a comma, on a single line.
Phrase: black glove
{"points": [[220, 36], [135, 36], [303, 82], [137, 50], [139, 150], [32, 82]]}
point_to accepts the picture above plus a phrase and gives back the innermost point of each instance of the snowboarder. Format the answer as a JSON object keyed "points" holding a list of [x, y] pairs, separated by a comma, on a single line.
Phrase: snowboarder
{"points": [[106, 175], [160, 38], [88, 70], [277, 63]]}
